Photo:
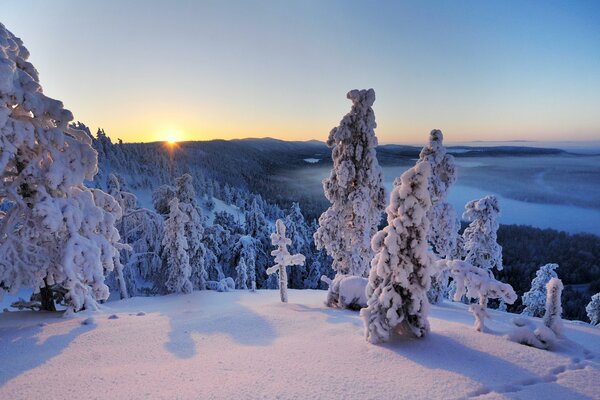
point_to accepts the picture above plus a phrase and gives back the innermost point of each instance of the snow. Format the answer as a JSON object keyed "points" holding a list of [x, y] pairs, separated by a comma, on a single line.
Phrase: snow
{"points": [[312, 160], [214, 345]]}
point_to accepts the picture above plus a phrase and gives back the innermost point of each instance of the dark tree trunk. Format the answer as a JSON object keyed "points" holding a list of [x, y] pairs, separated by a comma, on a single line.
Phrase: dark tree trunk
{"points": [[47, 298]]}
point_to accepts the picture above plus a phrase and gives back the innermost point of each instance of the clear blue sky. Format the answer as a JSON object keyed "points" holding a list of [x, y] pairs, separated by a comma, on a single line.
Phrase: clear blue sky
{"points": [[478, 70]]}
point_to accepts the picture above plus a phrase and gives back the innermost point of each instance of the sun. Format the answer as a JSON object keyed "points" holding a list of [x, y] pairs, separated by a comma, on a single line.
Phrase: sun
{"points": [[171, 140]]}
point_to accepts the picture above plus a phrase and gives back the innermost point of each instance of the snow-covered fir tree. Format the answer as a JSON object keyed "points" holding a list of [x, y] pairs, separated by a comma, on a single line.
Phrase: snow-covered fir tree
{"points": [[402, 266], [246, 249], [258, 228], [553, 314], [161, 198], [298, 231], [283, 258], [593, 309], [175, 251], [354, 188], [443, 221], [480, 237], [194, 229], [535, 299], [241, 277], [58, 236]]}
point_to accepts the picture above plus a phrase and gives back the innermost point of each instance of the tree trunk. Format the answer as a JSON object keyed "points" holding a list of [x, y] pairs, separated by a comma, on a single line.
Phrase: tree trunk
{"points": [[47, 298]]}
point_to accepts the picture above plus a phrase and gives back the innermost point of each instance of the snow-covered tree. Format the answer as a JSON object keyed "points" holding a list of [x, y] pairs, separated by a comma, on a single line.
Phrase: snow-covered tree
{"points": [[480, 237], [476, 283], [161, 198], [354, 188], [443, 221], [194, 229], [241, 274], [552, 317], [283, 258], [58, 236], [402, 266], [175, 251], [245, 249], [535, 299], [314, 274], [593, 309], [298, 231]]}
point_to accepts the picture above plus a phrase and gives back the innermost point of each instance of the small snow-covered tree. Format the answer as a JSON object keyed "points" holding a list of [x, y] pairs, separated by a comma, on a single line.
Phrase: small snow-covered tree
{"points": [[443, 221], [402, 266], [298, 231], [161, 198], [175, 251], [283, 258], [58, 236], [476, 283], [194, 229], [593, 309], [480, 237], [354, 188], [246, 249], [241, 274], [552, 317], [535, 299]]}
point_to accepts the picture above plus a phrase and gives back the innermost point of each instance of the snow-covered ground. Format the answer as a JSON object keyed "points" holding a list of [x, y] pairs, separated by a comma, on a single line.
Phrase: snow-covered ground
{"points": [[249, 345]]}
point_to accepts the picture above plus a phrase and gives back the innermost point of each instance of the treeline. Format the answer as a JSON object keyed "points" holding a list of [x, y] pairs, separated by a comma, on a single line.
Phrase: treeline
{"points": [[525, 249]]}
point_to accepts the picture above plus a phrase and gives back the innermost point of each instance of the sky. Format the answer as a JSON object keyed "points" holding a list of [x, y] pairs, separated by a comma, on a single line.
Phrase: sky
{"points": [[199, 70]]}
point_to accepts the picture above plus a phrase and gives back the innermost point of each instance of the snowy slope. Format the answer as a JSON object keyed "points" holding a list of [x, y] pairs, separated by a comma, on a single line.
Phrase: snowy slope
{"points": [[249, 345]]}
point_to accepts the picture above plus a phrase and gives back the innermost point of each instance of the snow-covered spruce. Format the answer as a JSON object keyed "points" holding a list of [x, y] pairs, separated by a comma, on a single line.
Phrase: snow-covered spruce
{"points": [[346, 291], [480, 237], [477, 283], [402, 266], [443, 221], [298, 231], [283, 258], [535, 299], [354, 188], [194, 229], [245, 251], [175, 251], [58, 236], [552, 317], [593, 309]]}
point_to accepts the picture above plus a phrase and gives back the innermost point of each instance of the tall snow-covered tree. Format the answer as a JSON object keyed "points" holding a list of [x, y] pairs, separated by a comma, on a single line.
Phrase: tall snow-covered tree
{"points": [[241, 277], [593, 309], [58, 236], [175, 251], [354, 188], [535, 299], [161, 198], [194, 229], [480, 237], [258, 228], [553, 314], [283, 258], [402, 266], [443, 221]]}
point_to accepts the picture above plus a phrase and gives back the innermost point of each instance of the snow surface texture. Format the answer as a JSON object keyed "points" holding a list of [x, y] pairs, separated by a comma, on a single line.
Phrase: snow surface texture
{"points": [[402, 266], [57, 233], [209, 345], [354, 188]]}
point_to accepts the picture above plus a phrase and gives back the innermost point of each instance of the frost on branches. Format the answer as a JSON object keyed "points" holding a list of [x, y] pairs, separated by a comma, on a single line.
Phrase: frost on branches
{"points": [[354, 188], [443, 222], [593, 309], [401, 269], [553, 314], [480, 237], [194, 230], [283, 258], [58, 236], [477, 283], [535, 299], [175, 251]]}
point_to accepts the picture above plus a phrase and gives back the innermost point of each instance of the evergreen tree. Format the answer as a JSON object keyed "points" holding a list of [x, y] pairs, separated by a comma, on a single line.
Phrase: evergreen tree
{"points": [[593, 309], [283, 258], [58, 236], [535, 299], [354, 188], [553, 314], [298, 231], [175, 251], [401, 269]]}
